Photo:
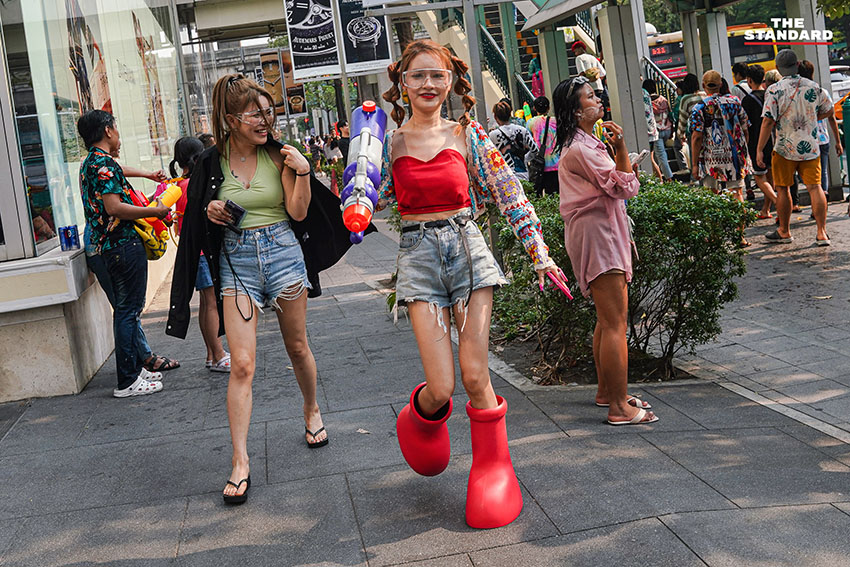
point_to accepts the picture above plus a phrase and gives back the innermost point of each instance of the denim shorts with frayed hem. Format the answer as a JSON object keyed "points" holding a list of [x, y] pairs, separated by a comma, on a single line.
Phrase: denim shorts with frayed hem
{"points": [[204, 278], [264, 263], [433, 266]]}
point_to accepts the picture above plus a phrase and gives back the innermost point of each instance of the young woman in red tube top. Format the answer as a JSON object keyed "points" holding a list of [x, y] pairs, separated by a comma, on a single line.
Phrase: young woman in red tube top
{"points": [[442, 173]]}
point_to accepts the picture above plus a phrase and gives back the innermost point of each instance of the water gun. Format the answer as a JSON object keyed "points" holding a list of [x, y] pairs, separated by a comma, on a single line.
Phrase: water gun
{"points": [[169, 193], [519, 114], [362, 175], [526, 112], [168, 197]]}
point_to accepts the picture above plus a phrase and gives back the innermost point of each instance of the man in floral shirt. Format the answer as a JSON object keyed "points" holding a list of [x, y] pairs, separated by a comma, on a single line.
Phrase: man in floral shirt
{"points": [[794, 105], [719, 138], [110, 213]]}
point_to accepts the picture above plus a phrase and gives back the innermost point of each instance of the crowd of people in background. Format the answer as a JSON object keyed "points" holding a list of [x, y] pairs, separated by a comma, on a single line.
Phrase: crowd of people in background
{"points": [[717, 133]]}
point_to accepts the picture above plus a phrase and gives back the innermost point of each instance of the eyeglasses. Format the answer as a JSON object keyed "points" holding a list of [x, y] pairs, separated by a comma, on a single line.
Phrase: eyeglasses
{"points": [[415, 79], [577, 81], [256, 116]]}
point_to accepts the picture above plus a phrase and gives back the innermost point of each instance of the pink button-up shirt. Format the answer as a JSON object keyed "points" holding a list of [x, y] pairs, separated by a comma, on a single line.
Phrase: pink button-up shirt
{"points": [[593, 193]]}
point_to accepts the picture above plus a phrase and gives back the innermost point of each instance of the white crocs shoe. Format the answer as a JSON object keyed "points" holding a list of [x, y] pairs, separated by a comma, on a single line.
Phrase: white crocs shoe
{"points": [[146, 374], [140, 387]]}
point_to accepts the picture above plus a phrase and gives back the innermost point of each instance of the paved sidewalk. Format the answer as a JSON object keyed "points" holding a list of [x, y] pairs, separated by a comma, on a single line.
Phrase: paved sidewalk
{"points": [[721, 480]]}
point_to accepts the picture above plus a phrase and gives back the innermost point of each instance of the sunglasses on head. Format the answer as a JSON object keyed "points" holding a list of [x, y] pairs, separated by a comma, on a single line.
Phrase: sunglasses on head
{"points": [[576, 82]]}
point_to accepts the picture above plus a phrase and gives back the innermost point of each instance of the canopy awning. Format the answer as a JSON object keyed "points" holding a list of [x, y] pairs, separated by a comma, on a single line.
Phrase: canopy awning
{"points": [[554, 11]]}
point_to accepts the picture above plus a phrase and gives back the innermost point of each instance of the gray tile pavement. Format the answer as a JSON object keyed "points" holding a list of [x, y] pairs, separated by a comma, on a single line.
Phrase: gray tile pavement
{"points": [[720, 480]]}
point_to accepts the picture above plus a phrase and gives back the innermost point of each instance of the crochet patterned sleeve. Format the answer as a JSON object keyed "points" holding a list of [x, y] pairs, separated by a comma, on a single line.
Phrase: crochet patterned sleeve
{"points": [[495, 182], [386, 191]]}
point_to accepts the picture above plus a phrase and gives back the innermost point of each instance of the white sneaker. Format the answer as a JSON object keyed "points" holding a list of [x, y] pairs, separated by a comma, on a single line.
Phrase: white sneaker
{"points": [[146, 374], [140, 387]]}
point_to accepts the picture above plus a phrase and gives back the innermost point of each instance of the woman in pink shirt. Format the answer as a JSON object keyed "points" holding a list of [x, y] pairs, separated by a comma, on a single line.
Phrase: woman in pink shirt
{"points": [[593, 190]]}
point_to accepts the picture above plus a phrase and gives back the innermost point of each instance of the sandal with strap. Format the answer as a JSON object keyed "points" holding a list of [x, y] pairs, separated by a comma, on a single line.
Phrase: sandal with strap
{"points": [[165, 363], [640, 418], [238, 498], [632, 401], [222, 365], [316, 444]]}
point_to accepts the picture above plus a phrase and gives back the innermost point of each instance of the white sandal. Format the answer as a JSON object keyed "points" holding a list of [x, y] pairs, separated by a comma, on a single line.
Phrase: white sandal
{"points": [[140, 387], [222, 365], [632, 401], [638, 419]]}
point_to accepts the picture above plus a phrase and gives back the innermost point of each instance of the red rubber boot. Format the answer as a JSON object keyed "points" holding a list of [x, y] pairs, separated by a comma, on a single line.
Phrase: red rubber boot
{"points": [[424, 441], [493, 497]]}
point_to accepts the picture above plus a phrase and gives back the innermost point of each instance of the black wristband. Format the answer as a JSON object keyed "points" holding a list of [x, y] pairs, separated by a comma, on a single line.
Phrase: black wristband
{"points": [[301, 174]]}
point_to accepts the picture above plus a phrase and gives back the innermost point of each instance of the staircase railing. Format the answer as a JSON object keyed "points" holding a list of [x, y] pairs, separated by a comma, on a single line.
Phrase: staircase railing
{"points": [[583, 19], [663, 85], [496, 62], [494, 58]]}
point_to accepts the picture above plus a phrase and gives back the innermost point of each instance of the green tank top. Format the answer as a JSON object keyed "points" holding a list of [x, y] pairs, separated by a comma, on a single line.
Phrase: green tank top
{"points": [[263, 200]]}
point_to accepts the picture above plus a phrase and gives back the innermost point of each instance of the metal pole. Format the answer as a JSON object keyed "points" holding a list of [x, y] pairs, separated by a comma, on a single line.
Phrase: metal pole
{"points": [[181, 75], [470, 22], [283, 92], [346, 99], [508, 24]]}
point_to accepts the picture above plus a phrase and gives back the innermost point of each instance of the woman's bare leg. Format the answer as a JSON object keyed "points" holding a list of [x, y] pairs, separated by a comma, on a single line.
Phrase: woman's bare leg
{"points": [[473, 348], [242, 338], [610, 296], [208, 321], [435, 350], [292, 318]]}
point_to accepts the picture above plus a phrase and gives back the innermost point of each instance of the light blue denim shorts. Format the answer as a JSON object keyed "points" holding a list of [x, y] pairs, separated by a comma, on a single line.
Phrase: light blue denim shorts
{"points": [[433, 265], [265, 263]]}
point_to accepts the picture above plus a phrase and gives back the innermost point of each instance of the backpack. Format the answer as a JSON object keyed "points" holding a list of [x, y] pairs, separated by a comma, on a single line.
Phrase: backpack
{"points": [[536, 161], [516, 145]]}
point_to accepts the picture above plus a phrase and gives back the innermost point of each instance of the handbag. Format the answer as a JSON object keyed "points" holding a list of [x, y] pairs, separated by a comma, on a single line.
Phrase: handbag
{"points": [[154, 247], [537, 161]]}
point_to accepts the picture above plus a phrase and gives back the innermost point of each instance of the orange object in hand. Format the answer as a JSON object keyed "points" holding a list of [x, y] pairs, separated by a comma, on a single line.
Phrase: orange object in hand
{"points": [[168, 197]]}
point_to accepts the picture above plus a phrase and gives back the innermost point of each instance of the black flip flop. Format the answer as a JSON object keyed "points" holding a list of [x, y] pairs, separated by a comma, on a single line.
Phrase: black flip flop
{"points": [[238, 498], [167, 364], [312, 434]]}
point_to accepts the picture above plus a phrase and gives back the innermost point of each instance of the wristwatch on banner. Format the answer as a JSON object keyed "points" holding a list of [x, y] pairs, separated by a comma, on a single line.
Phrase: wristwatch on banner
{"points": [[364, 31]]}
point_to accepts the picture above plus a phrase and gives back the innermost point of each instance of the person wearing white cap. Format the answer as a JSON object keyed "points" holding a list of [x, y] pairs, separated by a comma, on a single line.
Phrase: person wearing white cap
{"points": [[794, 105]]}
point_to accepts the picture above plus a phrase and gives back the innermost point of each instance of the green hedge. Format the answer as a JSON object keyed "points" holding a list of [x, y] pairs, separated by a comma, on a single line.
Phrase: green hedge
{"points": [[689, 248]]}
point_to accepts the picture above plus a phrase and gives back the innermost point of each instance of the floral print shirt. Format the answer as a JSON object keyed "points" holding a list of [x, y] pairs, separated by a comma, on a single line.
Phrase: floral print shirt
{"points": [[490, 181], [100, 174], [794, 103], [723, 123]]}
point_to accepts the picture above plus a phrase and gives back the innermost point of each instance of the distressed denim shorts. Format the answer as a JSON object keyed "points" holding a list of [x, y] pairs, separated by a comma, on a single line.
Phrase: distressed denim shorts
{"points": [[433, 265], [265, 263]]}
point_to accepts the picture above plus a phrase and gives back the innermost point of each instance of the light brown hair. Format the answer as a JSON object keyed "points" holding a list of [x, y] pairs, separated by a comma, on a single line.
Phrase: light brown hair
{"points": [[231, 95], [452, 63]]}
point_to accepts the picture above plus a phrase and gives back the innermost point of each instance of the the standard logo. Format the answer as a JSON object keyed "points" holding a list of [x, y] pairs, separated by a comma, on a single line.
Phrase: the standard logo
{"points": [[787, 31]]}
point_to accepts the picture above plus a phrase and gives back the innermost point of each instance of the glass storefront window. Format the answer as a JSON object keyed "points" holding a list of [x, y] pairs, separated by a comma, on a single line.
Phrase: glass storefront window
{"points": [[66, 57]]}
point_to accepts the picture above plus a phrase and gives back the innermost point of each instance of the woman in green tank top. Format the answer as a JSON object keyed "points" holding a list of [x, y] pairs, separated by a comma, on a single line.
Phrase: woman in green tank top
{"points": [[263, 266]]}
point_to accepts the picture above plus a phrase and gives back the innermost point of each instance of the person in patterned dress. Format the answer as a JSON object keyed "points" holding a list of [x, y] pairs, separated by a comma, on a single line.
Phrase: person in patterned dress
{"points": [[793, 106], [719, 138]]}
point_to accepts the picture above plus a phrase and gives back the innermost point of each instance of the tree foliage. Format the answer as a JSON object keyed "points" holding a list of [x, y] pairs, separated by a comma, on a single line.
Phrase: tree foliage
{"points": [[661, 15]]}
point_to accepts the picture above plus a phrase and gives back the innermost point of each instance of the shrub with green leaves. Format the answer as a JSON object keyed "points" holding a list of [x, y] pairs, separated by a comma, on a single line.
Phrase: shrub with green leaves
{"points": [[689, 247], [688, 241]]}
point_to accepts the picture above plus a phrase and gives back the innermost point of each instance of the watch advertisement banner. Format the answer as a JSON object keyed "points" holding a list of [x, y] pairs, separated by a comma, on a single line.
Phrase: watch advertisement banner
{"points": [[366, 39], [270, 64], [312, 38], [296, 99]]}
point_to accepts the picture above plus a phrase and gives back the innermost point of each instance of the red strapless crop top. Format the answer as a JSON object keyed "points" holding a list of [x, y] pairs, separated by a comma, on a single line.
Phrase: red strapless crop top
{"points": [[439, 184]]}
